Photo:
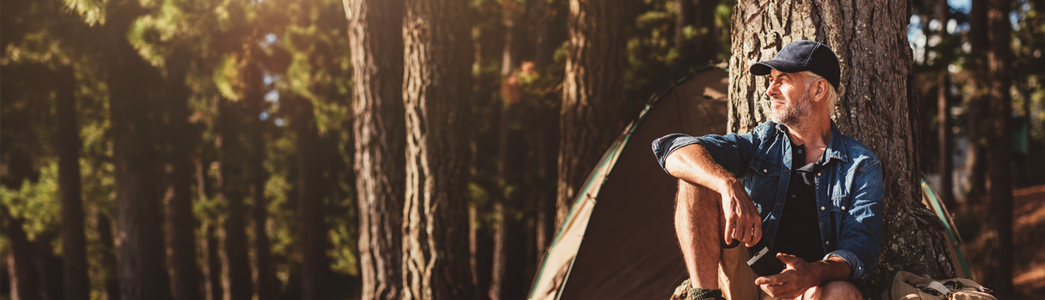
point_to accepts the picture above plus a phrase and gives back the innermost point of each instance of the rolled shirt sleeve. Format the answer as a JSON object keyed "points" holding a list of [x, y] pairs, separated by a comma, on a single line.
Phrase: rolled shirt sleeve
{"points": [[731, 151]]}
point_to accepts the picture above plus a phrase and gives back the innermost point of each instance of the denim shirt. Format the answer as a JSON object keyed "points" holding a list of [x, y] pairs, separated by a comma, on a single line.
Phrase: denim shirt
{"points": [[849, 187]]}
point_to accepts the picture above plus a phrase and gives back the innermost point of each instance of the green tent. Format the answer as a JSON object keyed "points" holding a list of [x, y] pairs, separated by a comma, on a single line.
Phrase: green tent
{"points": [[618, 242]]}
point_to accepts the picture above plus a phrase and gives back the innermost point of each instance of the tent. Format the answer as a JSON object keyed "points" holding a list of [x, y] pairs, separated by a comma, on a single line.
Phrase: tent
{"points": [[618, 241]]}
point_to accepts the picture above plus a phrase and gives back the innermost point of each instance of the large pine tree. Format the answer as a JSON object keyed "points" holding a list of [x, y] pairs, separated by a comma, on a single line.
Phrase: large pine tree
{"points": [[436, 93], [592, 93], [376, 41]]}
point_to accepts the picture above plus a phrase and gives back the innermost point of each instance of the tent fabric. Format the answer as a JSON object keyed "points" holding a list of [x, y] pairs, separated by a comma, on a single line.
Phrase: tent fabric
{"points": [[618, 241]]}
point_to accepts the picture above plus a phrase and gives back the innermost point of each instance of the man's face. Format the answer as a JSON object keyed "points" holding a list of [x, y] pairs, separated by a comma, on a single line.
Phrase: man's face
{"points": [[789, 97]]}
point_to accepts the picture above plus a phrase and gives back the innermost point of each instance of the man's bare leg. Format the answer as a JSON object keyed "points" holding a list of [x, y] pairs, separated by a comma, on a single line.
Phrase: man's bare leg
{"points": [[698, 224], [834, 290]]}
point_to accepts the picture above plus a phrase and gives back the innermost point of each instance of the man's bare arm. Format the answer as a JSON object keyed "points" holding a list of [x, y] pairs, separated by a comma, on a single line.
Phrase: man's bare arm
{"points": [[694, 164], [800, 275]]}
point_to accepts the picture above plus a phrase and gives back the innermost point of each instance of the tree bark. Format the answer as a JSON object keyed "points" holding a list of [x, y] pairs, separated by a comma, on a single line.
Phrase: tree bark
{"points": [[592, 94], [437, 84], [315, 264], [181, 223], [74, 239], [998, 234], [236, 271], [25, 283], [375, 39], [212, 258], [701, 47], [876, 107], [139, 218], [943, 100], [977, 104], [264, 275], [109, 274], [209, 248]]}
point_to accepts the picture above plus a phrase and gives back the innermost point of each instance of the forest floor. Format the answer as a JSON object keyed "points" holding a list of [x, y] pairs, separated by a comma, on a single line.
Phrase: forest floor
{"points": [[1028, 242]]}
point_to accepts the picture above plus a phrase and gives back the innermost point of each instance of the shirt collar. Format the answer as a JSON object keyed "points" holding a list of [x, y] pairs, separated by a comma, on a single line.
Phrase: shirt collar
{"points": [[835, 149]]}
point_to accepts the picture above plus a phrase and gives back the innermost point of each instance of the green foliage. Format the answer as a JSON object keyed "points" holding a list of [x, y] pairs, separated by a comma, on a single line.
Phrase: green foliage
{"points": [[35, 202]]}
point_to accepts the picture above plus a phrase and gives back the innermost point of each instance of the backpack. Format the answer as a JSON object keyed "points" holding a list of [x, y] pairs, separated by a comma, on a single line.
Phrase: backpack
{"points": [[907, 286]]}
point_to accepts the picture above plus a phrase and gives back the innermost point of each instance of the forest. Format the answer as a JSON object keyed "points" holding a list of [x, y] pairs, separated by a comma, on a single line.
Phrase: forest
{"points": [[429, 149]]}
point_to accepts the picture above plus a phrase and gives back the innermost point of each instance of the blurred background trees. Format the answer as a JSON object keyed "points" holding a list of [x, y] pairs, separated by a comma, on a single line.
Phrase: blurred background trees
{"points": [[194, 149]]}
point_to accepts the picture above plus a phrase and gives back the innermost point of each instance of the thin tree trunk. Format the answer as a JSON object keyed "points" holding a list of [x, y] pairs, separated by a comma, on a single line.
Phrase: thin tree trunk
{"points": [[181, 223], [698, 45], [25, 283], [876, 106], [592, 94], [943, 100], [74, 240], [503, 275], [314, 265], [264, 275], [977, 104], [111, 288], [139, 217], [436, 90], [998, 234], [376, 39], [212, 288], [236, 271]]}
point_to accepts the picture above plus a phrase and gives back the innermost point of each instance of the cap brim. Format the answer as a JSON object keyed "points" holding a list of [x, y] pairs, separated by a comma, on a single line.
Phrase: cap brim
{"points": [[764, 67]]}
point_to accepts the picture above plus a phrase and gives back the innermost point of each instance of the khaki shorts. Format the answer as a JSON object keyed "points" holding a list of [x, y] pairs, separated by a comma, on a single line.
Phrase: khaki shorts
{"points": [[735, 277]]}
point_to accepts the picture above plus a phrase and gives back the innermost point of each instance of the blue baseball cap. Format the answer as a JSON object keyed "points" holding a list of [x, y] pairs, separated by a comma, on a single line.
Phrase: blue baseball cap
{"points": [[801, 56]]}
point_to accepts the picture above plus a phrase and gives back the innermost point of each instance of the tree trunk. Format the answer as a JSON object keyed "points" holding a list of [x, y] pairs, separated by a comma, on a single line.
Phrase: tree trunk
{"points": [[111, 289], [211, 257], [181, 223], [314, 264], [264, 275], [998, 234], [25, 283], [376, 38], [506, 271], [139, 218], [74, 239], [209, 248], [437, 84], [236, 271], [695, 33], [943, 100], [976, 105], [592, 94], [876, 107]]}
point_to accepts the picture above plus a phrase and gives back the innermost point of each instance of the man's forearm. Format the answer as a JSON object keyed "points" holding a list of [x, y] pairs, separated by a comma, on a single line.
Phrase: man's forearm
{"points": [[694, 164], [831, 269]]}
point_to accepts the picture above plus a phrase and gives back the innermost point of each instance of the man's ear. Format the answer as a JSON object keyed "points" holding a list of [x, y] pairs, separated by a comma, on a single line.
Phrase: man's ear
{"points": [[820, 92]]}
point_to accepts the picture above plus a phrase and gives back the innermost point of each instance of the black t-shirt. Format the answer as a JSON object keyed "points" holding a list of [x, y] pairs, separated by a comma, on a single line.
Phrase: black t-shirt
{"points": [[799, 230]]}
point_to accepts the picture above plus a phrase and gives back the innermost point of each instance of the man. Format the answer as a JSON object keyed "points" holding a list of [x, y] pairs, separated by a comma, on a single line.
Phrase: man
{"points": [[794, 186]]}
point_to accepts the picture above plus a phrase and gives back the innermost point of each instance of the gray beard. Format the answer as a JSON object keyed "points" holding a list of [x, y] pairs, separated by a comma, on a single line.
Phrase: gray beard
{"points": [[792, 115]]}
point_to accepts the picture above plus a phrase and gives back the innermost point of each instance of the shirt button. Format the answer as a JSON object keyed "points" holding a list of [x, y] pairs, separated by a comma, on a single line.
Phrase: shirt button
{"points": [[799, 150], [823, 208], [827, 242], [843, 207], [793, 196], [817, 173], [765, 171]]}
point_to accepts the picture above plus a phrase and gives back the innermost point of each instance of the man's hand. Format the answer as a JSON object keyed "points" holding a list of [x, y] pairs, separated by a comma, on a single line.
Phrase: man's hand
{"points": [[742, 221], [794, 280]]}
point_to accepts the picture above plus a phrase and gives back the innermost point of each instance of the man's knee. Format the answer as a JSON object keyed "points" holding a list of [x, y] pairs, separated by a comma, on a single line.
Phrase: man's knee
{"points": [[693, 193], [835, 290]]}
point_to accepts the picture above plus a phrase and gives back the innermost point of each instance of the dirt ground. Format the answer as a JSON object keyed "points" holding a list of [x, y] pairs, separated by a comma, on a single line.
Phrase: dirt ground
{"points": [[1028, 239]]}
